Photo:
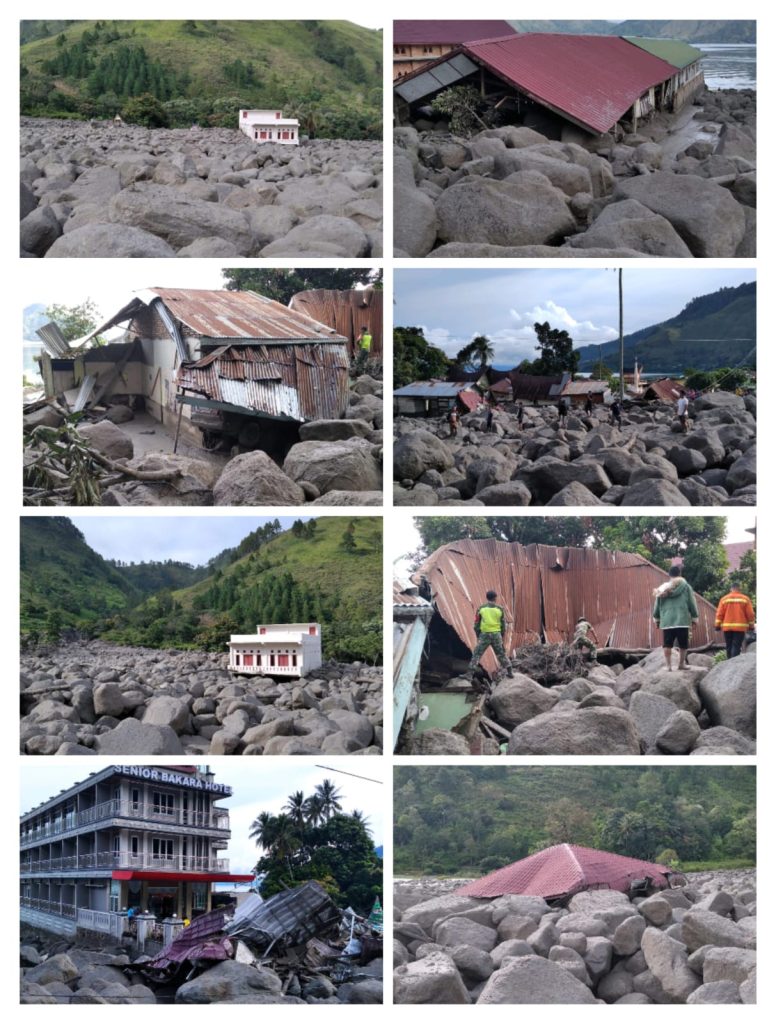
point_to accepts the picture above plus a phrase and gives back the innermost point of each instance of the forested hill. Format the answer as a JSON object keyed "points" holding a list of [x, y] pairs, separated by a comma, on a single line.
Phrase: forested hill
{"points": [[469, 821], [327, 570], [328, 73], [714, 330], [64, 583], [690, 31]]}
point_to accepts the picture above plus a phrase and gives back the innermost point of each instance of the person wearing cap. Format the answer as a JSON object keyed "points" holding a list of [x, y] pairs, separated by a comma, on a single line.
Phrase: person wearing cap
{"points": [[735, 616], [489, 626], [674, 611]]}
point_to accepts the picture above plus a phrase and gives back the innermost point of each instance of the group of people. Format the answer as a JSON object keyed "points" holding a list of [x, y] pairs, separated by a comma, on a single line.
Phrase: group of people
{"points": [[674, 613]]}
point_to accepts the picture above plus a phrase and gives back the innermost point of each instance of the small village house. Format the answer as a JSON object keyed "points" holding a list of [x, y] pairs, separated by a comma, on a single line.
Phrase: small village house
{"points": [[416, 43], [436, 398], [288, 649], [269, 126]]}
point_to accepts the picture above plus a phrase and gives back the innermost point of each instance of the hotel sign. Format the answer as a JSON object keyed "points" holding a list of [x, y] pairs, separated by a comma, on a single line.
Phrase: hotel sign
{"points": [[147, 774]]}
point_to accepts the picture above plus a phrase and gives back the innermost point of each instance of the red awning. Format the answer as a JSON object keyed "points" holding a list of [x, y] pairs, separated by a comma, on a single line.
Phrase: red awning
{"points": [[178, 876]]}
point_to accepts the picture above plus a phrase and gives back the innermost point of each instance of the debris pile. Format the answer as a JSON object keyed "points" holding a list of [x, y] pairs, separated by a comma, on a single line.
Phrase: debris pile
{"points": [[646, 460], [692, 944], [295, 947], [92, 697], [706, 709]]}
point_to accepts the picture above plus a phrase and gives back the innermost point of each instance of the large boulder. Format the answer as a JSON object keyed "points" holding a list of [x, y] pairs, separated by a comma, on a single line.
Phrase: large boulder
{"points": [[108, 439], [349, 465], [458, 931], [414, 220], [632, 225], [516, 700], [232, 982], [548, 475], [433, 979], [729, 694], [705, 928], [116, 241], [425, 914], [667, 959], [254, 479], [324, 235], [590, 731], [525, 210], [704, 214], [133, 737], [533, 979], [417, 452]]}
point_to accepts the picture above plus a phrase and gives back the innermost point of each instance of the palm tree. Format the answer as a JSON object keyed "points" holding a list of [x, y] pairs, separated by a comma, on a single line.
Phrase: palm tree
{"points": [[295, 806], [263, 829], [482, 347], [329, 796], [362, 819], [285, 840], [313, 810]]}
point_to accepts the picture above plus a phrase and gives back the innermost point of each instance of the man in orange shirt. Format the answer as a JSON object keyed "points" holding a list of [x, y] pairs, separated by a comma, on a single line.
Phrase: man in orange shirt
{"points": [[735, 615]]}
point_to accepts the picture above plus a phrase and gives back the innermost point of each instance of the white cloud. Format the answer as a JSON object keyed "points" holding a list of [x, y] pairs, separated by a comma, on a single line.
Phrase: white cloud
{"points": [[583, 332]]}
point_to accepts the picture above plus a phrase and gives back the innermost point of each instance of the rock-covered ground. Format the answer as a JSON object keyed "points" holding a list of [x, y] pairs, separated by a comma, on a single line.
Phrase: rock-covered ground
{"points": [[335, 462], [94, 189], [58, 971], [704, 710], [510, 191], [694, 944], [648, 461], [91, 697]]}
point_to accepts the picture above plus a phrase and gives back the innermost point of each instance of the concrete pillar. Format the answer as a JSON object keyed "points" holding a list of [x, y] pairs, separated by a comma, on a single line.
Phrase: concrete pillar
{"points": [[145, 924], [171, 929]]}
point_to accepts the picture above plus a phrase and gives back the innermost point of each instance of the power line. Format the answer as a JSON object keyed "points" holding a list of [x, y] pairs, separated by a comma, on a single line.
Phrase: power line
{"points": [[341, 772]]}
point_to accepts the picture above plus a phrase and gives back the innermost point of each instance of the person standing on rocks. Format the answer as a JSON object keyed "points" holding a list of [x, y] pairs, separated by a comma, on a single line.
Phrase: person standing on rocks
{"points": [[364, 342], [489, 626], [489, 420], [585, 638], [735, 616], [682, 410], [452, 419], [616, 414], [562, 413], [675, 611], [520, 415]]}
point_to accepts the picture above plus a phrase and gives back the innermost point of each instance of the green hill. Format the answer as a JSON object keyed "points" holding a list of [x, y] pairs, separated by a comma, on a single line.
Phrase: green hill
{"points": [[65, 584], [715, 330], [461, 820], [328, 73], [691, 31]]}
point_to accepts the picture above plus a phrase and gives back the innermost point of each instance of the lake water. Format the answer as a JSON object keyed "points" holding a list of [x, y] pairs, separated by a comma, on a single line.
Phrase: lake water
{"points": [[729, 66]]}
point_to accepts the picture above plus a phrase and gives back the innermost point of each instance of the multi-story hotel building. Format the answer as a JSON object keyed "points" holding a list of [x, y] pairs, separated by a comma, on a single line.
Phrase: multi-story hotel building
{"points": [[138, 837]]}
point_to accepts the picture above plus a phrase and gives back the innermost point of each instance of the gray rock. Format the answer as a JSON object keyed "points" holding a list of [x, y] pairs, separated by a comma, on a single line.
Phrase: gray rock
{"points": [[109, 241], [715, 992], [704, 927], [323, 235], [460, 931], [679, 734], [417, 452], [728, 963], [516, 700], [232, 982], [133, 737], [667, 960], [592, 731], [729, 695], [108, 439], [414, 220], [532, 979], [632, 225], [254, 479], [434, 979]]}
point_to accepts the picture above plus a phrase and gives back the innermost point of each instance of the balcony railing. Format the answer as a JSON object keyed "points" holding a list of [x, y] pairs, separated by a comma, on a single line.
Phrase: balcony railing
{"points": [[49, 906], [142, 811], [124, 859]]}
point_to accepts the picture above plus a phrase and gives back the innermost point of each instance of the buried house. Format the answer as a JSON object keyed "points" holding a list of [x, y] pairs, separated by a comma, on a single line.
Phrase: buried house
{"points": [[543, 590], [220, 367], [287, 650]]}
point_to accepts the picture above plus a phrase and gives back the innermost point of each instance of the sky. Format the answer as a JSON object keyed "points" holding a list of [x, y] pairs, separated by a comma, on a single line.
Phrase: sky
{"points": [[257, 786], [453, 306], [153, 538]]}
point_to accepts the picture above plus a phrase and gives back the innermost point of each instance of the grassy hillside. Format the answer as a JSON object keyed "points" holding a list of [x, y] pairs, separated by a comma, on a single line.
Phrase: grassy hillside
{"points": [[711, 331], [327, 73], [691, 31], [461, 820], [312, 573]]}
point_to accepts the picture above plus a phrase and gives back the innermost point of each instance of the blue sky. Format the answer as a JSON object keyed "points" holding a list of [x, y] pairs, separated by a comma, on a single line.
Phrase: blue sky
{"points": [[453, 306], [191, 539]]}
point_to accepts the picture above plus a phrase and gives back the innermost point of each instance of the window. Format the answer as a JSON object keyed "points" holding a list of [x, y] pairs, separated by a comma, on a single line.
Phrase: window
{"points": [[248, 660], [135, 798], [134, 845], [237, 659], [312, 631], [262, 630], [272, 660], [116, 846], [199, 896], [164, 803], [293, 660], [162, 849], [282, 661]]}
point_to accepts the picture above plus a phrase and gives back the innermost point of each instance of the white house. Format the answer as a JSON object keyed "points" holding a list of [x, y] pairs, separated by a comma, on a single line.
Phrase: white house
{"points": [[287, 649], [269, 126]]}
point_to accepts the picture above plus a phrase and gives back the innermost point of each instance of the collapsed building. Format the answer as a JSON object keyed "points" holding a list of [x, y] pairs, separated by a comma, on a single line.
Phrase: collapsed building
{"points": [[543, 590], [559, 872], [554, 82], [347, 312], [221, 367]]}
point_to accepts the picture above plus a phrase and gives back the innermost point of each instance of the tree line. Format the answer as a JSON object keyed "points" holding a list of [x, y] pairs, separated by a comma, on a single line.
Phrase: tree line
{"points": [[469, 821]]}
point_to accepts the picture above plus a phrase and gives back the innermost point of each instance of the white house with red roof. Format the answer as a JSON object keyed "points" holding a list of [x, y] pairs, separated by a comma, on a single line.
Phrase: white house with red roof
{"points": [[285, 649], [269, 126]]}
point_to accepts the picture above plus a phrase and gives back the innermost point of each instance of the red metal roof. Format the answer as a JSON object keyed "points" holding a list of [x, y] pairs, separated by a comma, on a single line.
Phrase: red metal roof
{"points": [[544, 589], [225, 314], [470, 399], [665, 389], [564, 870], [409, 32]]}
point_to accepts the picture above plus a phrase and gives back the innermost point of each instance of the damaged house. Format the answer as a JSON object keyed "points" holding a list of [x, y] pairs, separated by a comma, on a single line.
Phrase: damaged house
{"points": [[554, 81], [347, 312], [543, 590], [220, 367]]}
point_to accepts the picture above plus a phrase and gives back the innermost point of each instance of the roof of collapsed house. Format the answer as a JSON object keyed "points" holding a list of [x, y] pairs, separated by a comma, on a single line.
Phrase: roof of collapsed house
{"points": [[432, 389], [545, 589], [290, 917], [560, 871], [590, 80], [409, 32], [345, 311], [203, 939], [299, 382], [665, 389]]}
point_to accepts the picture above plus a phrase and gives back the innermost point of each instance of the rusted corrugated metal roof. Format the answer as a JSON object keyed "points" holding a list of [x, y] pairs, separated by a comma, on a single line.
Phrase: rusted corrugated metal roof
{"points": [[345, 311], [248, 315], [405, 595], [664, 390], [584, 387], [563, 870], [446, 32], [545, 589], [531, 388], [591, 80], [300, 382]]}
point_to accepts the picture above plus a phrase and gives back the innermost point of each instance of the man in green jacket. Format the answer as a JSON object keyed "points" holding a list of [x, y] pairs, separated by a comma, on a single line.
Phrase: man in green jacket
{"points": [[675, 611], [490, 625]]}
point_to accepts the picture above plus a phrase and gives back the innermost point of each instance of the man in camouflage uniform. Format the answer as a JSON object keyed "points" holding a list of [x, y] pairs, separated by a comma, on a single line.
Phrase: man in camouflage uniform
{"points": [[489, 625], [583, 640]]}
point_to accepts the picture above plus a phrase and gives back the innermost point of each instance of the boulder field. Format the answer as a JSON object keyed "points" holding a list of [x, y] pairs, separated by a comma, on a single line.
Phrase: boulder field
{"points": [[694, 944], [92, 189], [707, 709], [92, 697], [645, 461], [512, 192]]}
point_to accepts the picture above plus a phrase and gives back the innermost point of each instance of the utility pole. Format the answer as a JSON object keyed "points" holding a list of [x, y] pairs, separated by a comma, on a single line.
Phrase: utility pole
{"points": [[622, 347]]}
